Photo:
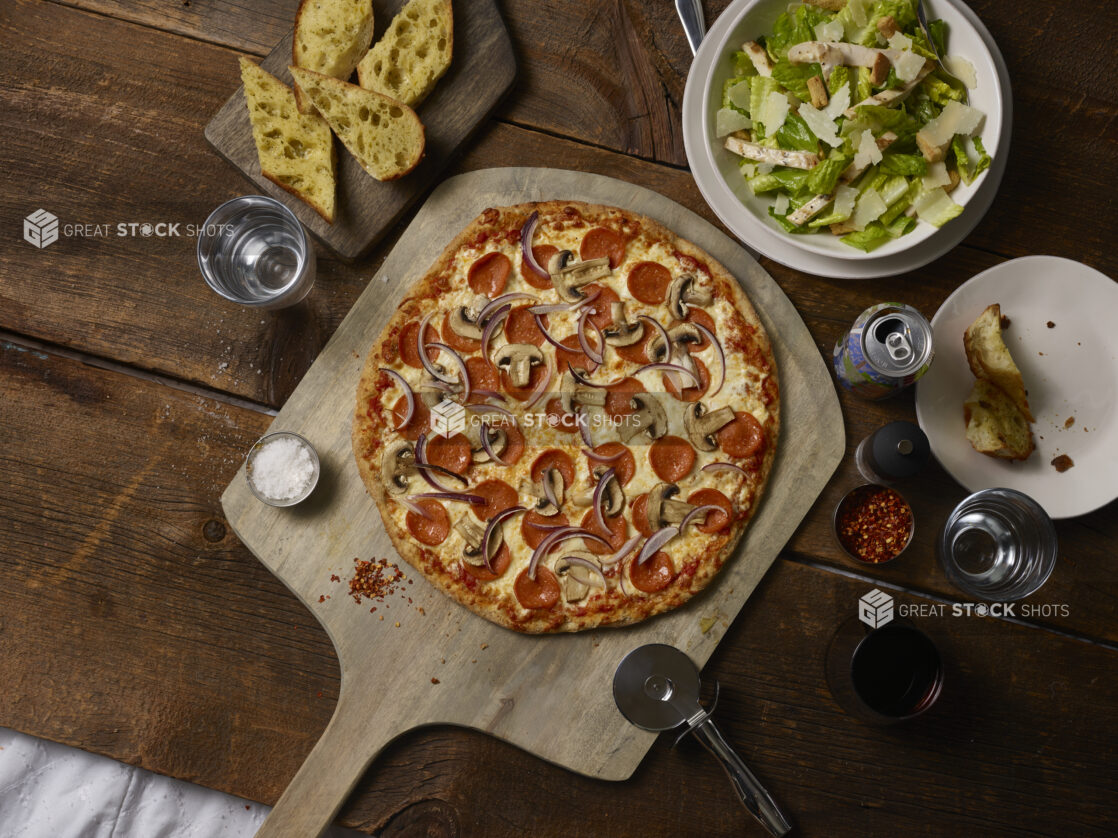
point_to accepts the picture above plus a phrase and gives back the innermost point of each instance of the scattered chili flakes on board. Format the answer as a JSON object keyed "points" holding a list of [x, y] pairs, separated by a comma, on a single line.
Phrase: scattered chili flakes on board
{"points": [[374, 579], [873, 523]]}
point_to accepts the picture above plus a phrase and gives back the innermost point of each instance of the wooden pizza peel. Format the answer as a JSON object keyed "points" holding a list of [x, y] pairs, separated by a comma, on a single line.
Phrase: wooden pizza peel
{"points": [[441, 664]]}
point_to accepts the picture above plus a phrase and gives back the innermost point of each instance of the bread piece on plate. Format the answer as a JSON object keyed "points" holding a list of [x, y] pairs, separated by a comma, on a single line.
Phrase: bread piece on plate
{"points": [[989, 357], [384, 135], [296, 150], [995, 425], [413, 54], [331, 37]]}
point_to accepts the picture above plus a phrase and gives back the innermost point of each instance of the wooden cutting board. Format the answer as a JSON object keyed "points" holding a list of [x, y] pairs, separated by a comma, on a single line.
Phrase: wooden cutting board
{"points": [[481, 72], [550, 695]]}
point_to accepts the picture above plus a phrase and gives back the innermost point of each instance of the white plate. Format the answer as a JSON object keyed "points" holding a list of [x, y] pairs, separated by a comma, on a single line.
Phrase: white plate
{"points": [[725, 190], [1069, 370]]}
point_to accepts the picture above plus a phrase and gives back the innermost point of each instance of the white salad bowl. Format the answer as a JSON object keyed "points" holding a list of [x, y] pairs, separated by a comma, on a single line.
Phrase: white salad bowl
{"points": [[719, 178]]}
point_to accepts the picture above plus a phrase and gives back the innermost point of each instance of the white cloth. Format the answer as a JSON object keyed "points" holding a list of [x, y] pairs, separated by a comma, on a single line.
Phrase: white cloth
{"points": [[48, 790]]}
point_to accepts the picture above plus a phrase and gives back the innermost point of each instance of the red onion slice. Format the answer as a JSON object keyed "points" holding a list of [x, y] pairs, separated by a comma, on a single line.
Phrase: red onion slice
{"points": [[488, 394], [600, 495], [659, 327], [584, 344], [720, 466], [425, 468], [538, 393], [497, 302], [463, 372], [581, 379], [655, 541], [421, 345], [526, 234], [547, 335], [604, 458], [409, 396], [582, 419], [548, 489], [621, 580], [412, 506], [491, 408], [719, 351], [547, 527], [491, 328], [696, 512], [457, 497], [555, 538], [625, 550], [445, 471], [676, 368], [589, 565], [487, 445], [491, 527]]}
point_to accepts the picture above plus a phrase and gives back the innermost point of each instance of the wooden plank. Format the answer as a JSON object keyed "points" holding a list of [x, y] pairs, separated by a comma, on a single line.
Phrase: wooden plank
{"points": [[134, 627], [480, 74]]}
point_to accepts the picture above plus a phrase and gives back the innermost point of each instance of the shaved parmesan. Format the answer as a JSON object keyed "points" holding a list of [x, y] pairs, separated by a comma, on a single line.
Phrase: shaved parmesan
{"points": [[765, 168], [870, 207], [858, 11], [908, 65], [866, 151], [845, 196], [739, 95], [821, 125], [830, 31], [936, 176], [936, 207], [955, 118], [727, 121], [900, 41], [838, 104], [961, 69], [774, 110], [781, 205]]}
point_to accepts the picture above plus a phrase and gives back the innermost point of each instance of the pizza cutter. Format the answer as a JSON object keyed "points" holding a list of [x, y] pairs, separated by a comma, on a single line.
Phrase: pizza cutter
{"points": [[656, 687]]}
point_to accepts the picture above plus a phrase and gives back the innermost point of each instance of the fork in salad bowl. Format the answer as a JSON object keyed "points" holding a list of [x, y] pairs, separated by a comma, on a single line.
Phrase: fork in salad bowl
{"points": [[922, 17]]}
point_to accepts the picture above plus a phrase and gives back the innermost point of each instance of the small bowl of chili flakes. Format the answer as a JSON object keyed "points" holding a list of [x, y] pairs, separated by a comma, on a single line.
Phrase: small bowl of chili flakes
{"points": [[873, 523]]}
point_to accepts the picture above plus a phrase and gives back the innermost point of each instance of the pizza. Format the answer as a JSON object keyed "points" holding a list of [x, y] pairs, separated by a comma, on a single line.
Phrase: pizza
{"points": [[570, 419]]}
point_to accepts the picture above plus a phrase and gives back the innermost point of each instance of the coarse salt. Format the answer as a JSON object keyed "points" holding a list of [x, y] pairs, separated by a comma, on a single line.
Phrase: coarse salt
{"points": [[282, 468]]}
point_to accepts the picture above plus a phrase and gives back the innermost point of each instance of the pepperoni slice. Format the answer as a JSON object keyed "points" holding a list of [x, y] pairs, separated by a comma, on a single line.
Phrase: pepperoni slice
{"points": [[540, 593], [649, 282], [690, 392], [557, 459], [602, 241], [672, 458], [636, 353], [697, 315], [616, 535], [498, 495], [456, 341], [715, 521], [409, 349], [483, 376], [654, 575], [543, 254], [500, 563], [451, 453], [572, 353], [514, 447], [489, 274], [430, 531], [617, 398], [535, 527], [743, 437], [638, 511], [602, 305], [624, 467], [522, 394], [420, 419], [520, 327], [559, 420]]}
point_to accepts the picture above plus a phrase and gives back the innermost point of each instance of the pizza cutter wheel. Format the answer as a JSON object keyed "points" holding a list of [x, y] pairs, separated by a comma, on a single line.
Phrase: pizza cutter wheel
{"points": [[656, 687]]}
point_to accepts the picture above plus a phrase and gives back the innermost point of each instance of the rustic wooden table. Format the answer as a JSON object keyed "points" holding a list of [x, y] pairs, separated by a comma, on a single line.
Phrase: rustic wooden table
{"points": [[134, 624]]}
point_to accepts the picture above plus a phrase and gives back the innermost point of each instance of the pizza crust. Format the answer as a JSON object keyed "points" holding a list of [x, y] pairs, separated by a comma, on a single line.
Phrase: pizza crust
{"points": [[371, 433]]}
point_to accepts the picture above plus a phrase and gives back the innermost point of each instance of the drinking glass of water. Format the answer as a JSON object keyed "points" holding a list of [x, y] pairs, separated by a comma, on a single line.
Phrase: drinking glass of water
{"points": [[999, 545], [253, 251]]}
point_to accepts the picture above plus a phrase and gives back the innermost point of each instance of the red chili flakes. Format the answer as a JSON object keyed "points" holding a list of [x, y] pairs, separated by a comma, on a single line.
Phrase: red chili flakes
{"points": [[874, 523], [374, 579]]}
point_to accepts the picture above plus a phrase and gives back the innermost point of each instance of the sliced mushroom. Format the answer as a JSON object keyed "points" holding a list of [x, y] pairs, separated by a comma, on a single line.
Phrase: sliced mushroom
{"points": [[397, 462], [615, 495], [575, 580], [648, 417], [621, 332], [663, 509], [473, 533], [571, 391], [518, 359], [701, 424], [498, 440], [682, 337], [463, 319], [432, 391], [685, 291], [568, 277], [554, 480]]}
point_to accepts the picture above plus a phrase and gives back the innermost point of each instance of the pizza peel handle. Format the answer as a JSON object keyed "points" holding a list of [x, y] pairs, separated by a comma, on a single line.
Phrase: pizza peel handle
{"points": [[328, 774]]}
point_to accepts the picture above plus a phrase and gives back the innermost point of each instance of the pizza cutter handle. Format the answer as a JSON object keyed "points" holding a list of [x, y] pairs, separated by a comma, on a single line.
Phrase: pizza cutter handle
{"points": [[749, 789]]}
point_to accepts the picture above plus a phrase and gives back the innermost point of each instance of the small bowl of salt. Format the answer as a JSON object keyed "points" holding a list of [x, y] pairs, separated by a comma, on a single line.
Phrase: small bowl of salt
{"points": [[282, 468]]}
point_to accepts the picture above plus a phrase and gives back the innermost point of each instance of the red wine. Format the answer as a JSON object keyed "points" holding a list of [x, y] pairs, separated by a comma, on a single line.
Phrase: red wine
{"points": [[896, 670]]}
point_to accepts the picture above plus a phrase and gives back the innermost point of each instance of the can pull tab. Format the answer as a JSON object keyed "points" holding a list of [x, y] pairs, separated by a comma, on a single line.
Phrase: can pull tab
{"points": [[899, 347]]}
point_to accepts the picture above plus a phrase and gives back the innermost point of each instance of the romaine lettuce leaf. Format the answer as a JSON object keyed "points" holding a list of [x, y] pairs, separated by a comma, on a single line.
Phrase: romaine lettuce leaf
{"points": [[913, 165], [795, 135], [869, 239], [795, 76], [962, 158], [761, 87], [743, 65], [824, 177]]}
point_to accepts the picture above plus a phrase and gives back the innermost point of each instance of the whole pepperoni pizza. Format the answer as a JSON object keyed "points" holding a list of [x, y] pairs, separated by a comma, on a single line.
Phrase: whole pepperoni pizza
{"points": [[570, 418]]}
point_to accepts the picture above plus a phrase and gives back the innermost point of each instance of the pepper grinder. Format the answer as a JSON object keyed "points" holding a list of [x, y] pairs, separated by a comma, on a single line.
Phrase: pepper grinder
{"points": [[893, 452]]}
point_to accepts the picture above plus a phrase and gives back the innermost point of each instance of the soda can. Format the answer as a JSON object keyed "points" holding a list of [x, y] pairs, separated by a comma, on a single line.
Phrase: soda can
{"points": [[887, 349]]}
